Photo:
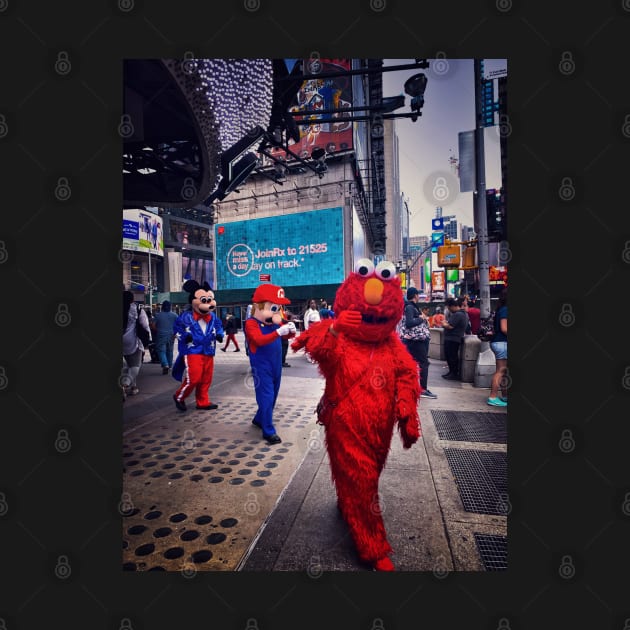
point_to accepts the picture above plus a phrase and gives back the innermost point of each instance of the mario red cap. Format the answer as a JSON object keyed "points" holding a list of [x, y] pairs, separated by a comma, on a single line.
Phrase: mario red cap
{"points": [[270, 293]]}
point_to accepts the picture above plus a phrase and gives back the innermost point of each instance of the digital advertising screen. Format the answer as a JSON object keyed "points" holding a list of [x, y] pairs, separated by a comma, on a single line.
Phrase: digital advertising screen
{"points": [[297, 249], [142, 231]]}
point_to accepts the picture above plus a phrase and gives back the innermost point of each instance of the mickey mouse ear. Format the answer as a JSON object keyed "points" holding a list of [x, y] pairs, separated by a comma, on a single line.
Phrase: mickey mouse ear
{"points": [[190, 286]]}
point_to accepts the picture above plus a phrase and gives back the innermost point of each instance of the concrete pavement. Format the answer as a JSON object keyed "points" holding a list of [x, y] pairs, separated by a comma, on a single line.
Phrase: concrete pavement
{"points": [[205, 492]]}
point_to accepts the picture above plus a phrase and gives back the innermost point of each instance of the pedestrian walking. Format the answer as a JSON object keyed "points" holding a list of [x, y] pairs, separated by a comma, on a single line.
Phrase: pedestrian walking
{"points": [[454, 331], [231, 329], [165, 335], [498, 345], [132, 347], [311, 316]]}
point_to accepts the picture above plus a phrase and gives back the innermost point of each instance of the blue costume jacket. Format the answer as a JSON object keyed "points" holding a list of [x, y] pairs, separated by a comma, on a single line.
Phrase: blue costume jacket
{"points": [[201, 343]]}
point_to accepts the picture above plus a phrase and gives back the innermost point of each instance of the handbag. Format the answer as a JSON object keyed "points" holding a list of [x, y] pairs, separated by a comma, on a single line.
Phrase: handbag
{"points": [[420, 332], [486, 328], [142, 333]]}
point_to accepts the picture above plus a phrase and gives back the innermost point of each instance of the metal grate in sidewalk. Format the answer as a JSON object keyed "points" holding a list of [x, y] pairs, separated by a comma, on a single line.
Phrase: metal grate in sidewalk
{"points": [[481, 478], [470, 426], [493, 551]]}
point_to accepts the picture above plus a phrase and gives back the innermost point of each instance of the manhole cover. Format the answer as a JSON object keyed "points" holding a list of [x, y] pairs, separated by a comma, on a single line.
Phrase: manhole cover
{"points": [[481, 478], [470, 426], [493, 551]]}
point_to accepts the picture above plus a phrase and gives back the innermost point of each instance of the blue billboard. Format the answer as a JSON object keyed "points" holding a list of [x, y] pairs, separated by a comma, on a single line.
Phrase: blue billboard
{"points": [[305, 248]]}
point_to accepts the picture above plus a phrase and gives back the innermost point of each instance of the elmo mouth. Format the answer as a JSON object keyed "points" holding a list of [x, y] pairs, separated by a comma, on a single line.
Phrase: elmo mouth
{"points": [[372, 319]]}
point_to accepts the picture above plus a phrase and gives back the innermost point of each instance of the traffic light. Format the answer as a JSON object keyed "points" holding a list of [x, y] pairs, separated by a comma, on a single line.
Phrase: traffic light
{"points": [[496, 215]]}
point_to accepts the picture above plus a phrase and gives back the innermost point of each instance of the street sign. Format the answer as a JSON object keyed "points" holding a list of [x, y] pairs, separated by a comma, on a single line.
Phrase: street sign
{"points": [[466, 142], [437, 240], [437, 224]]}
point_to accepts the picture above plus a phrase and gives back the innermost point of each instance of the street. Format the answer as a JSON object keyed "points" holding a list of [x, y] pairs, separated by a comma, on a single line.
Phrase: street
{"points": [[202, 491]]}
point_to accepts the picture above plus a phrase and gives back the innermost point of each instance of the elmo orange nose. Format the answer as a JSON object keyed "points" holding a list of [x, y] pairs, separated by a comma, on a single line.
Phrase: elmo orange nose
{"points": [[373, 291]]}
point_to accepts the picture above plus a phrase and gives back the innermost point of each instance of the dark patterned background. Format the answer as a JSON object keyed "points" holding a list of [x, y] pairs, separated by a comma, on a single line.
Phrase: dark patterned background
{"points": [[569, 483]]}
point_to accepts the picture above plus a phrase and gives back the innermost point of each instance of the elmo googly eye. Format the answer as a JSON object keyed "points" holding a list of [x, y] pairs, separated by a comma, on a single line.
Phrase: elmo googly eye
{"points": [[385, 270], [364, 267]]}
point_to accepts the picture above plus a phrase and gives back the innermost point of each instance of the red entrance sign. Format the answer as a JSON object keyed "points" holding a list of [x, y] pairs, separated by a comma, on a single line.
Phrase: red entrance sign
{"points": [[265, 277]]}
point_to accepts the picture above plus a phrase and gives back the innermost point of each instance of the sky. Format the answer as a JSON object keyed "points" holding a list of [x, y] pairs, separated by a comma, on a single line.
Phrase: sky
{"points": [[427, 179]]}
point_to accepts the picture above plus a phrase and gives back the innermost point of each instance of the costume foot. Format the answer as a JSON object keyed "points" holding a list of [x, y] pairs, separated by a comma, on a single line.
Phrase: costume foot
{"points": [[384, 564], [210, 406], [180, 404], [286, 365], [273, 439], [256, 423], [237, 350], [222, 349], [164, 370]]}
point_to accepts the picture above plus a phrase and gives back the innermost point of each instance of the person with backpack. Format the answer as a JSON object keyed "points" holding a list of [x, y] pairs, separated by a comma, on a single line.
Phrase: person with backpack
{"points": [[416, 336], [134, 319], [498, 345]]}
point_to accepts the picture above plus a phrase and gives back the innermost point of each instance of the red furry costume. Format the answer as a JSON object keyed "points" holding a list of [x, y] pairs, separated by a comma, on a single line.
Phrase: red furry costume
{"points": [[371, 384]]}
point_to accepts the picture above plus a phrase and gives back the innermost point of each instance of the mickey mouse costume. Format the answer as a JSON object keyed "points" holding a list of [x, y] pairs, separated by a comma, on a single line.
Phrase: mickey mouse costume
{"points": [[197, 332]]}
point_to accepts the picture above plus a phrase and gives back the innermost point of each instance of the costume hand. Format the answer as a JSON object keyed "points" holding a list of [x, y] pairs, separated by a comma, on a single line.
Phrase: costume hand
{"points": [[347, 321], [188, 338], [286, 329], [220, 338], [409, 431]]}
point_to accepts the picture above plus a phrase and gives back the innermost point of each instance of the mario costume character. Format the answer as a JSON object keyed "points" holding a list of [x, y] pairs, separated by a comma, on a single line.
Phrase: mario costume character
{"points": [[263, 329], [197, 331], [371, 386]]}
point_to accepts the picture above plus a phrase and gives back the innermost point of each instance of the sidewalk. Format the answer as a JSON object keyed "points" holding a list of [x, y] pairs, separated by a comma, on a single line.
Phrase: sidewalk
{"points": [[225, 500]]}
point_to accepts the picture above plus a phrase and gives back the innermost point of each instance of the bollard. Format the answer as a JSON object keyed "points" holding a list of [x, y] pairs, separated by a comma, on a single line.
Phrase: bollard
{"points": [[486, 366], [468, 354], [436, 347]]}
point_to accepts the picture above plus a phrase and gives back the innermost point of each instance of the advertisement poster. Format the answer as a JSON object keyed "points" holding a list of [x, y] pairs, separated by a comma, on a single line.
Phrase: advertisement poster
{"points": [[287, 250], [437, 284], [334, 132], [142, 232]]}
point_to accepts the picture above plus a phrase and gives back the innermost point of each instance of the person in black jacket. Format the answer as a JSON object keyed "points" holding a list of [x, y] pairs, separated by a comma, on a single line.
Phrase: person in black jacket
{"points": [[231, 329], [454, 331], [418, 348]]}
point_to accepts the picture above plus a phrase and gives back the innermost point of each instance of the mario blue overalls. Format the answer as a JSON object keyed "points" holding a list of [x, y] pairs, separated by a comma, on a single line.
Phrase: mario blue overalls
{"points": [[266, 362]]}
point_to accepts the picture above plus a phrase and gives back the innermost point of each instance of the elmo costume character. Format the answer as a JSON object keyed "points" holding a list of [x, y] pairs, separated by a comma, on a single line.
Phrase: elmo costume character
{"points": [[197, 332], [371, 385], [263, 330]]}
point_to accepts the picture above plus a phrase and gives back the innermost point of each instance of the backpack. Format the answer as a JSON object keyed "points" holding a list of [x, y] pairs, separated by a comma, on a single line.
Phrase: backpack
{"points": [[486, 328], [143, 334]]}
